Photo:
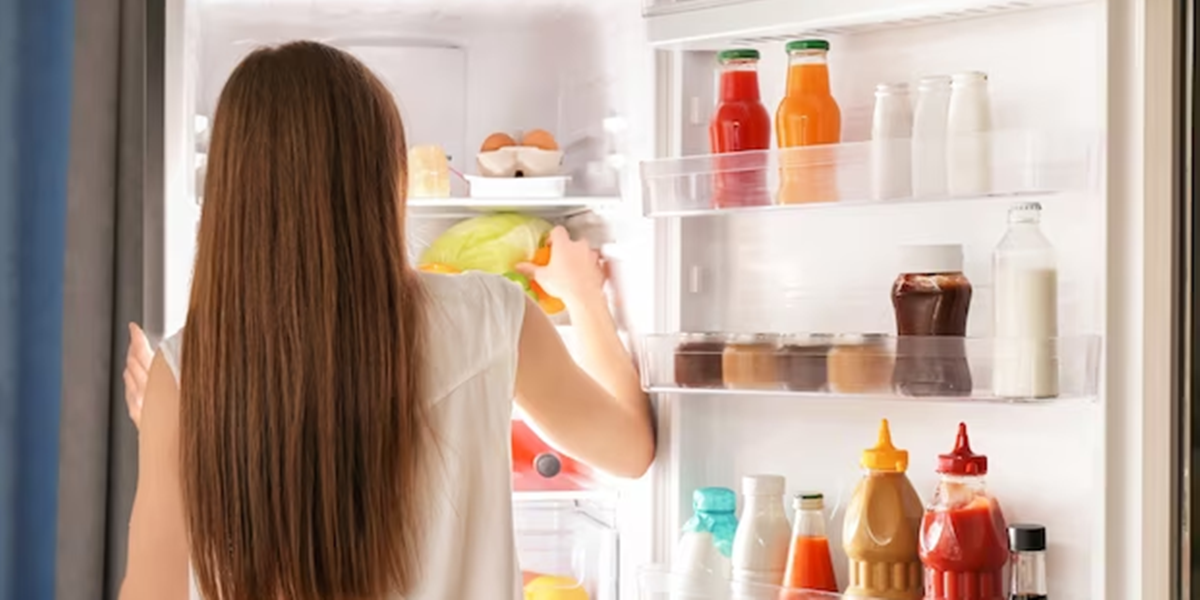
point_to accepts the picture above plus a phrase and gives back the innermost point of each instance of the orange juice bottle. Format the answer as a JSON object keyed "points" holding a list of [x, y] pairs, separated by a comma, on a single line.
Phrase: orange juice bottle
{"points": [[808, 116], [810, 565]]}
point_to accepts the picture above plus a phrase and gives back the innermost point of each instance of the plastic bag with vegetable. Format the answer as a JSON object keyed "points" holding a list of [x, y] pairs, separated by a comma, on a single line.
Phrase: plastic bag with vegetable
{"points": [[494, 244]]}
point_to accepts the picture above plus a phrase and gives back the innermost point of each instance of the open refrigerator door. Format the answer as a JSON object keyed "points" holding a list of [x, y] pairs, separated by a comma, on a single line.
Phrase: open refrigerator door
{"points": [[818, 283]]}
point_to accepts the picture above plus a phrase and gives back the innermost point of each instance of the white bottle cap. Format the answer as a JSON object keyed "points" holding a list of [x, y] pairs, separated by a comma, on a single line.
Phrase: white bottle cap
{"points": [[930, 82], [969, 78], [885, 89], [762, 485], [931, 258]]}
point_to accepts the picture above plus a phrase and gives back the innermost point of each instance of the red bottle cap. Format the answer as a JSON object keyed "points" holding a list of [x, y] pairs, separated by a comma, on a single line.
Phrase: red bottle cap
{"points": [[962, 461]]}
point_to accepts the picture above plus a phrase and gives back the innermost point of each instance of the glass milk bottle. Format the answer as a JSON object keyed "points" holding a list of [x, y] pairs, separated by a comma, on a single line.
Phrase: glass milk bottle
{"points": [[1025, 309], [929, 137], [968, 150], [891, 146]]}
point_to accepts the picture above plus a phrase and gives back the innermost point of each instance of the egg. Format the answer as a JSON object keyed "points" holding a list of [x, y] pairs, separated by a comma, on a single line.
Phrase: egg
{"points": [[539, 138], [497, 141]]}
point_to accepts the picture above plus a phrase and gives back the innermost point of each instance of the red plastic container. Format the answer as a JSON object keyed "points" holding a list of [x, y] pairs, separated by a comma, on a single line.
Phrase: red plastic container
{"points": [[539, 468]]}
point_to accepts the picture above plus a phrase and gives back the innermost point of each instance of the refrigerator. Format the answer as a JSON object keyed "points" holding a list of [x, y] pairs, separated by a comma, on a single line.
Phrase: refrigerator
{"points": [[1085, 115]]}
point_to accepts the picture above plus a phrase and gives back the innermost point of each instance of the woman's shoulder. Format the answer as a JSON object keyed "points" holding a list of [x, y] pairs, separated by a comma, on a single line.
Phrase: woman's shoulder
{"points": [[476, 293], [171, 348]]}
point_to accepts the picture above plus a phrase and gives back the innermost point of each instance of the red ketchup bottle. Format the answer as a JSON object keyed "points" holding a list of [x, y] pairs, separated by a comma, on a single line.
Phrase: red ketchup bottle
{"points": [[963, 533], [741, 124]]}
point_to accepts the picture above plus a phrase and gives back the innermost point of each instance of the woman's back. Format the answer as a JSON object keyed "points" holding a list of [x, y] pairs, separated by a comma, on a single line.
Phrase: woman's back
{"points": [[473, 325], [337, 424]]}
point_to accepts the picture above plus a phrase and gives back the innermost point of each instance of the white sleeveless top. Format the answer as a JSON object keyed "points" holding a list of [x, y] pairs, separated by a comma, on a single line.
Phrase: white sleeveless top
{"points": [[474, 324]]}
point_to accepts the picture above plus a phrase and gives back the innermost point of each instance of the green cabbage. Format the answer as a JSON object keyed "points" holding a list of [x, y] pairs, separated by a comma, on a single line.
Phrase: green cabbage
{"points": [[490, 243]]}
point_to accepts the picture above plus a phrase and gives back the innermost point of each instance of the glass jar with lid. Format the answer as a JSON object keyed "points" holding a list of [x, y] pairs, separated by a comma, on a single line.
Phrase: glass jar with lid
{"points": [[861, 364], [803, 361], [698, 360], [749, 362]]}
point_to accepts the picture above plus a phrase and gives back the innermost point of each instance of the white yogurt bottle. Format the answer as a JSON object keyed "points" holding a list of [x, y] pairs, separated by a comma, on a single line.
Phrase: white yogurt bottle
{"points": [[891, 145], [760, 547], [929, 136], [1025, 361], [969, 145]]}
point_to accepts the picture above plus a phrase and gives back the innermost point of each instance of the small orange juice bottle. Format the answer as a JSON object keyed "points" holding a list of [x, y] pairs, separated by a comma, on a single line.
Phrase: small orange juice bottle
{"points": [[808, 116]]}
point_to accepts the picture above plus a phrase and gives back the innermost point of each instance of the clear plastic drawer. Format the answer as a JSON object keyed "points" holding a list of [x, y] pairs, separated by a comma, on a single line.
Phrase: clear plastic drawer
{"points": [[567, 549]]}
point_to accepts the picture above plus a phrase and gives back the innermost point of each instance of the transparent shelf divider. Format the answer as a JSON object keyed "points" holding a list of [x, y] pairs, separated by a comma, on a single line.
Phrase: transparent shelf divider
{"points": [[949, 369], [1012, 163]]}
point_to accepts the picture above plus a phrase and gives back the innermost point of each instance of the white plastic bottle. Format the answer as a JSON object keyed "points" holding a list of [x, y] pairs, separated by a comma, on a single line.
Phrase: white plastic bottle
{"points": [[929, 136], [891, 148], [969, 145], [1025, 361], [706, 545], [760, 547]]}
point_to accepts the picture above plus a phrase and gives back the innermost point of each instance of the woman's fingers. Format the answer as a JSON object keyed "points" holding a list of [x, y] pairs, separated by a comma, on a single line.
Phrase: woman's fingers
{"points": [[132, 401], [529, 270], [139, 345], [137, 371]]}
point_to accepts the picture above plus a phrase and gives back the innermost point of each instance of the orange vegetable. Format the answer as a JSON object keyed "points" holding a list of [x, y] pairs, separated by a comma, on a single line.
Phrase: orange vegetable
{"points": [[552, 305], [549, 304], [541, 258], [438, 268]]}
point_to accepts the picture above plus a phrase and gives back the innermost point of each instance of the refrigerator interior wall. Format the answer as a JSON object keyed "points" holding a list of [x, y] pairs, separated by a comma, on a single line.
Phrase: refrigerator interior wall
{"points": [[463, 70], [830, 269]]}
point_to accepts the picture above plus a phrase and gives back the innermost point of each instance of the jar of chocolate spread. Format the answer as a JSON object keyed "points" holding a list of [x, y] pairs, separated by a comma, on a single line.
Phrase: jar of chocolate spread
{"points": [[931, 299]]}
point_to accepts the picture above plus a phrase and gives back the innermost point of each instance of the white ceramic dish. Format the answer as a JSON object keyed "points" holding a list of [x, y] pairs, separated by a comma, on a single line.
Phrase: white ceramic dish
{"points": [[517, 187]]}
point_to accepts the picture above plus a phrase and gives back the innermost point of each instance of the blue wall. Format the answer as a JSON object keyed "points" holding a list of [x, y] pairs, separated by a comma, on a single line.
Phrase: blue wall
{"points": [[36, 44]]}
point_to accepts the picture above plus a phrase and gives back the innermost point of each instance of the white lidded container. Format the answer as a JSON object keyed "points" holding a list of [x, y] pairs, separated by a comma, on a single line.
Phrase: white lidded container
{"points": [[517, 187], [891, 148], [760, 547], [1025, 358], [929, 136], [969, 122]]}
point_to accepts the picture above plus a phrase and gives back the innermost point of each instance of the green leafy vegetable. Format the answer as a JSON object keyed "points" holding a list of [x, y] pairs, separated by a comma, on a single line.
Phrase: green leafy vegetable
{"points": [[489, 243]]}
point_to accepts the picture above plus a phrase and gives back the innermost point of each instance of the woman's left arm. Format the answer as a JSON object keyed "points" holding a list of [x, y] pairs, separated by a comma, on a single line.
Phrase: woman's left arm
{"points": [[157, 564]]}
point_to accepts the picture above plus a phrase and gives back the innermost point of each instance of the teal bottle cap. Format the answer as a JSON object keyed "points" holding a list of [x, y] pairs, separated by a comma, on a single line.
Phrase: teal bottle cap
{"points": [[714, 499]]}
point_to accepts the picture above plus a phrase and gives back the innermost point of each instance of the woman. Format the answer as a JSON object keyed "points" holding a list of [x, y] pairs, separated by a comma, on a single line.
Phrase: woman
{"points": [[330, 424]]}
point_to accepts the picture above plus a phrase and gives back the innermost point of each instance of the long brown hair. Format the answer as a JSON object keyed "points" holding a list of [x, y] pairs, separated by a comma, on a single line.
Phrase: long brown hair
{"points": [[303, 425]]}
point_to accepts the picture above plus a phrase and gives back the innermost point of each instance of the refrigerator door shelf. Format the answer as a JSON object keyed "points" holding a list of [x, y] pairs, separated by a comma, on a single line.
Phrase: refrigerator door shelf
{"points": [[1016, 163], [657, 582], [883, 367], [708, 24]]}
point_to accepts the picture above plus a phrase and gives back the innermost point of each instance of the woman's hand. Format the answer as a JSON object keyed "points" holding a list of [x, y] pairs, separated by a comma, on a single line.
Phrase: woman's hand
{"points": [[574, 272], [137, 371]]}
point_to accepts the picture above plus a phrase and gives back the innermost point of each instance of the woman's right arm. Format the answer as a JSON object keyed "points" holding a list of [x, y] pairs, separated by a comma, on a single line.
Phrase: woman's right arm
{"points": [[593, 410]]}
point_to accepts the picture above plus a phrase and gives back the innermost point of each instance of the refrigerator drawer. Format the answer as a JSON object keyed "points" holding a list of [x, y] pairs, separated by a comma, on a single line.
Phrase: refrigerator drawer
{"points": [[567, 550], [659, 583]]}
